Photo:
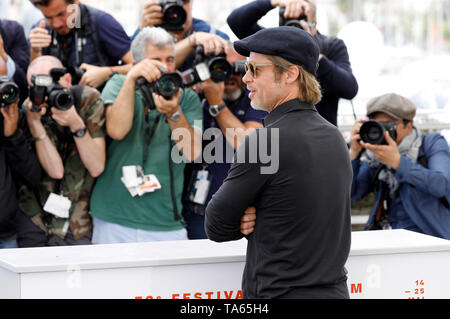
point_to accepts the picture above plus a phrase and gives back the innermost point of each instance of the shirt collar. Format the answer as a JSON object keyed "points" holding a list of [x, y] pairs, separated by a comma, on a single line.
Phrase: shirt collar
{"points": [[289, 106]]}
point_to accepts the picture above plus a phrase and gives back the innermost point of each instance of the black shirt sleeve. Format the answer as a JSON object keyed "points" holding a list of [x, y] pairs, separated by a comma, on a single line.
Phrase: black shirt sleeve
{"points": [[238, 192]]}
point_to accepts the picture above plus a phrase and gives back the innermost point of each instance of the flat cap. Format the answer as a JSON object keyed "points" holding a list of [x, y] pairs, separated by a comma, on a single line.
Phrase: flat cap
{"points": [[392, 104], [293, 44]]}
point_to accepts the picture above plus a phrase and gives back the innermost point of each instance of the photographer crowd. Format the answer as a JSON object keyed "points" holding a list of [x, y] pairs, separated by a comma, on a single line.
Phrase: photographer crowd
{"points": [[103, 136]]}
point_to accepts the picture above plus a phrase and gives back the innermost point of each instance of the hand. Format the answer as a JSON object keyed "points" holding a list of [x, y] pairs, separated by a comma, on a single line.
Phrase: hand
{"points": [[39, 38], [212, 43], [10, 118], [355, 138], [386, 154], [213, 91], [151, 15], [248, 221], [94, 76], [149, 69], [69, 118], [168, 107]]}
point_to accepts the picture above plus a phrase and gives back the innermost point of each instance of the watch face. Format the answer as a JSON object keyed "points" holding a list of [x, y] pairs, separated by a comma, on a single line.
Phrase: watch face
{"points": [[80, 133]]}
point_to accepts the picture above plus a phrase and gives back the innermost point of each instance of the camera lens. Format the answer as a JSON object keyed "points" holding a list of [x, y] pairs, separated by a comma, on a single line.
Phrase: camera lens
{"points": [[175, 15], [61, 99], [9, 93], [168, 84], [372, 132], [220, 69]]}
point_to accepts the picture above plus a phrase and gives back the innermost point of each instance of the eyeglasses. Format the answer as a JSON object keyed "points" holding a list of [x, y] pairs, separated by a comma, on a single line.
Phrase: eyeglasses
{"points": [[253, 67]]}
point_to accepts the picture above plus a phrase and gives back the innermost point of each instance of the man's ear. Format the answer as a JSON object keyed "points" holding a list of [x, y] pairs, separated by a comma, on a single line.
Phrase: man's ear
{"points": [[292, 74], [67, 78]]}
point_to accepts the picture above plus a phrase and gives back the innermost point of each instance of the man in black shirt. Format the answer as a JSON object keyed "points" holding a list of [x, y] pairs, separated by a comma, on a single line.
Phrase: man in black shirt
{"points": [[300, 195]]}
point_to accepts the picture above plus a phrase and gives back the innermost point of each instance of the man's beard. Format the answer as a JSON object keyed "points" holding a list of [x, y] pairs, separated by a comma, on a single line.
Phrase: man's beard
{"points": [[232, 96]]}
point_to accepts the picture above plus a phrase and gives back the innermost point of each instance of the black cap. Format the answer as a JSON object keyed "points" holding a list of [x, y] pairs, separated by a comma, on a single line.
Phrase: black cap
{"points": [[292, 44]]}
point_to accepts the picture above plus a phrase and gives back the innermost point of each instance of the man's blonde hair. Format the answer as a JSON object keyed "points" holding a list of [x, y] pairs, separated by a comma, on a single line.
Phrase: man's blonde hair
{"points": [[310, 91]]}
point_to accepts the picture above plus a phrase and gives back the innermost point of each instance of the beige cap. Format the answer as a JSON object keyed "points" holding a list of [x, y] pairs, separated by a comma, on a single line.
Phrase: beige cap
{"points": [[392, 104]]}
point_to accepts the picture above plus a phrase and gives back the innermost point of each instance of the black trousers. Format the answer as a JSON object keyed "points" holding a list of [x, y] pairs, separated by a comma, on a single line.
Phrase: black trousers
{"points": [[30, 235]]}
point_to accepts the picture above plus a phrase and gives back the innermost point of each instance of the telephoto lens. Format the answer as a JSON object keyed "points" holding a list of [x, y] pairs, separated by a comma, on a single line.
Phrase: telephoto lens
{"points": [[9, 91], [372, 132], [60, 98]]}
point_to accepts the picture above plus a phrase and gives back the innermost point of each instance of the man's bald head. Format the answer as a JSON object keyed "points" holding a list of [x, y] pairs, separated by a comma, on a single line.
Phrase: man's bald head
{"points": [[43, 65]]}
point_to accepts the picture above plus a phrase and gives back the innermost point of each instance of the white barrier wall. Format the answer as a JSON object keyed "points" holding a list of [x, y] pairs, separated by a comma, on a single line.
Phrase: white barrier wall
{"points": [[382, 264]]}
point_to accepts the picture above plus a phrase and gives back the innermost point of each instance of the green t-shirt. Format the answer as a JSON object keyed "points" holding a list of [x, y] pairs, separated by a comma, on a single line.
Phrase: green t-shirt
{"points": [[111, 200]]}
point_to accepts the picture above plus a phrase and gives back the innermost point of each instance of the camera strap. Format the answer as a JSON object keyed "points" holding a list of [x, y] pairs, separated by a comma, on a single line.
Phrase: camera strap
{"points": [[149, 131]]}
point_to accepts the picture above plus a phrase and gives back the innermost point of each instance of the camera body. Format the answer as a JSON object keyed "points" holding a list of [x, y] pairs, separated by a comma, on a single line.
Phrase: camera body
{"points": [[9, 91], [373, 132], [292, 22], [174, 15], [213, 66], [167, 86], [46, 89]]}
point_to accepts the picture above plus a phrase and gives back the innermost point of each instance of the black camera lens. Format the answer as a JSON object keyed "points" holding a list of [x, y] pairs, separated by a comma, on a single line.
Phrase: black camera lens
{"points": [[291, 22], [168, 84], [61, 99], [373, 132], [220, 69], [9, 93], [174, 15]]}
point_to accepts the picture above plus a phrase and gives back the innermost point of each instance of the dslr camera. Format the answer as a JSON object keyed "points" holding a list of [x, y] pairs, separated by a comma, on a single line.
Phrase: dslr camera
{"points": [[9, 91], [167, 86], [174, 15], [373, 132], [293, 22], [212, 66], [238, 68], [46, 89]]}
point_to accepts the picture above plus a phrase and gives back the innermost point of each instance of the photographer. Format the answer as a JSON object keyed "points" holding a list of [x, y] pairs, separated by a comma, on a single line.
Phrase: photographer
{"points": [[70, 144], [18, 165], [235, 118], [190, 34], [15, 54], [83, 37], [142, 180], [334, 73], [408, 172]]}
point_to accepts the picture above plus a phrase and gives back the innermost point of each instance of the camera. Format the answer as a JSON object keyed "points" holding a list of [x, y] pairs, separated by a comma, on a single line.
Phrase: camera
{"points": [[45, 88], [373, 132], [76, 74], [167, 86], [9, 91], [174, 15], [292, 22], [238, 68], [212, 66]]}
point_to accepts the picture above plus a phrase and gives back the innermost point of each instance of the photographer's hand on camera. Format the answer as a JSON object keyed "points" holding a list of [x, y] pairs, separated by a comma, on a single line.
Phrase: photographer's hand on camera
{"points": [[95, 76], [355, 140], [10, 118], [386, 154], [165, 106], [152, 14], [213, 91], [39, 38], [293, 7]]}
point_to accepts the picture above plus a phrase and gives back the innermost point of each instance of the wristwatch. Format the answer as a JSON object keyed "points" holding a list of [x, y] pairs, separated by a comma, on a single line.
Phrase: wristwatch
{"points": [[175, 116], [80, 132], [214, 110]]}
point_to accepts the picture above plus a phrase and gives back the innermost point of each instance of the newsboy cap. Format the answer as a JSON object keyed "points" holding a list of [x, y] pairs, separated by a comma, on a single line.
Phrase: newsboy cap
{"points": [[292, 44], [392, 104]]}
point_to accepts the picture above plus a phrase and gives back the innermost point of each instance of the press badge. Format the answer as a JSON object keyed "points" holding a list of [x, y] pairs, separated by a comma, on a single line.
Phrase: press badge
{"points": [[199, 187], [136, 182], [58, 205]]}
